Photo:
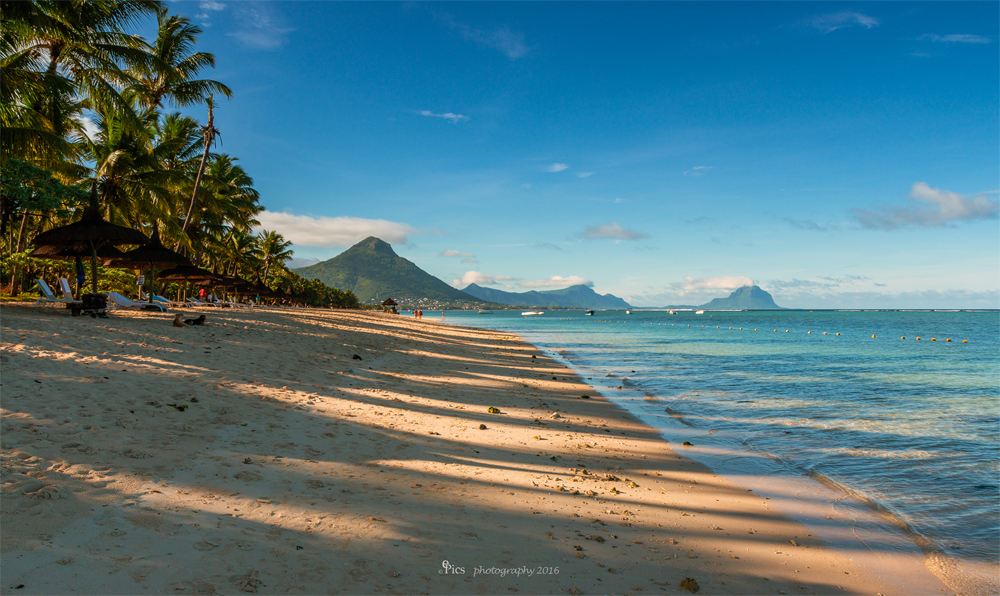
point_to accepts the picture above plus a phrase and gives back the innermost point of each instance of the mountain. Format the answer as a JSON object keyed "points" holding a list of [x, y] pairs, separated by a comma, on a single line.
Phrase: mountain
{"points": [[745, 298], [578, 296], [371, 269]]}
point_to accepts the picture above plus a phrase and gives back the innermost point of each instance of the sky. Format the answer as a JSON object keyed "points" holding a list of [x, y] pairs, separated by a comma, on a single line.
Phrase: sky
{"points": [[839, 155]]}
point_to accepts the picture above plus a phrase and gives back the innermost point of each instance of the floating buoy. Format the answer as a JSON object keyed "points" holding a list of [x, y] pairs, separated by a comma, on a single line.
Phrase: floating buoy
{"points": [[809, 332], [786, 331], [838, 334], [824, 333], [965, 341], [933, 339], [948, 340], [873, 335], [903, 337], [918, 339], [775, 330], [730, 327]]}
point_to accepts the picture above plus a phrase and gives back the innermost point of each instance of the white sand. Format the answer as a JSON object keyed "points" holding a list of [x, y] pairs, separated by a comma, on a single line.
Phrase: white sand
{"points": [[255, 455]]}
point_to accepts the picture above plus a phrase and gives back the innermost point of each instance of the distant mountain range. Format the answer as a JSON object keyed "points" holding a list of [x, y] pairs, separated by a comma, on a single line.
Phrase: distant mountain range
{"points": [[578, 296], [373, 271], [745, 298]]}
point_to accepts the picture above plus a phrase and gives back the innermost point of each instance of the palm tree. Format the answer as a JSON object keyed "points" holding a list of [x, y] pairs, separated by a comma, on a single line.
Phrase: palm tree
{"points": [[275, 250], [171, 71]]}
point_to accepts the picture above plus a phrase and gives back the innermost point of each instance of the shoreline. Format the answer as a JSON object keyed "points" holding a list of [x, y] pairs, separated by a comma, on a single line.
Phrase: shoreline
{"points": [[298, 467]]}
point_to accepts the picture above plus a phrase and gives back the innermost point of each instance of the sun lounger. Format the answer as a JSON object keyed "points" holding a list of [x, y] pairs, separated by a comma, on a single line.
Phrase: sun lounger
{"points": [[118, 300], [167, 301], [194, 302], [67, 292], [49, 298]]}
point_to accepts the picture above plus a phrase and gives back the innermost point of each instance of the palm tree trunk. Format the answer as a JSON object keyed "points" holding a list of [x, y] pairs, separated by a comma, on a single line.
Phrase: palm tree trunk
{"points": [[15, 284], [210, 133]]}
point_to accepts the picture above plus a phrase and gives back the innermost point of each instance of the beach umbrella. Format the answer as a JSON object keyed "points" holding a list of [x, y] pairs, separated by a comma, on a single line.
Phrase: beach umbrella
{"points": [[187, 273], [153, 256], [93, 232], [74, 251]]}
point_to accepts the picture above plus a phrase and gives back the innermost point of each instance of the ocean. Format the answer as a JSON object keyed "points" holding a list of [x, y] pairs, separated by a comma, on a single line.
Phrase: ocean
{"points": [[898, 409]]}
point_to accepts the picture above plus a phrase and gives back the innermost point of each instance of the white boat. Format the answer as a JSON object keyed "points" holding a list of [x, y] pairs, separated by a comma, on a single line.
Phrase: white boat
{"points": [[532, 313], [589, 313], [672, 312], [699, 312], [628, 312], [486, 312]]}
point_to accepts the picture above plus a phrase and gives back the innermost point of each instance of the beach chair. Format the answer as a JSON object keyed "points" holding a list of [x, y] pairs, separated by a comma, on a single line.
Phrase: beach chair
{"points": [[117, 300], [196, 302], [167, 301], [67, 291], [49, 298]]}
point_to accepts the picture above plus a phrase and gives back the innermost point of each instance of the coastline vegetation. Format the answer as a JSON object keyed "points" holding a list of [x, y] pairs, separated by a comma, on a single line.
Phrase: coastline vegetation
{"points": [[86, 105]]}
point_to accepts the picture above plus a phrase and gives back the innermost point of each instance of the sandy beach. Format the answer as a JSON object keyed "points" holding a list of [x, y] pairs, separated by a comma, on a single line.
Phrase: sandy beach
{"points": [[340, 452]]}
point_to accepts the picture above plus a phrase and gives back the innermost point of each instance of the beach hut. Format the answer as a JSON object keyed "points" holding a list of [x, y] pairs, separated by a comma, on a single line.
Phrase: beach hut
{"points": [[390, 305]]}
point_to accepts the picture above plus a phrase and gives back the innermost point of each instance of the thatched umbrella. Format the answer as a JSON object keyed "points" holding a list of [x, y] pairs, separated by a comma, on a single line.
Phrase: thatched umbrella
{"points": [[74, 252], [91, 231], [153, 255], [188, 273]]}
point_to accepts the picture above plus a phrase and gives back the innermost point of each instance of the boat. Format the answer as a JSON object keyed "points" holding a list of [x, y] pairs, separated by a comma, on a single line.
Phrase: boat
{"points": [[486, 312], [672, 312], [628, 312], [589, 313], [699, 312], [532, 313]]}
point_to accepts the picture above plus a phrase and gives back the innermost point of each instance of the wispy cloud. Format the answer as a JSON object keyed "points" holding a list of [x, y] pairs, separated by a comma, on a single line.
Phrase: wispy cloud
{"points": [[259, 26], [480, 279], [209, 7], [697, 171], [932, 207], [556, 167], [613, 231], [558, 281], [584, 174], [828, 23], [455, 253], [957, 38], [547, 246], [453, 118], [806, 224], [503, 39], [304, 230]]}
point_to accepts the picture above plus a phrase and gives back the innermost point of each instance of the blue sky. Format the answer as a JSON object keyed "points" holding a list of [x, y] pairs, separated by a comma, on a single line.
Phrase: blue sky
{"points": [[836, 154]]}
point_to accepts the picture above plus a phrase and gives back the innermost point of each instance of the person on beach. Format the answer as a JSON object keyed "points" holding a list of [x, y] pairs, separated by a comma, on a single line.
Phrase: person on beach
{"points": [[201, 294]]}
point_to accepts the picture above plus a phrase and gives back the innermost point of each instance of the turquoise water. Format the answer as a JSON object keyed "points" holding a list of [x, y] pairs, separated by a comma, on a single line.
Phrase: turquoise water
{"points": [[912, 426]]}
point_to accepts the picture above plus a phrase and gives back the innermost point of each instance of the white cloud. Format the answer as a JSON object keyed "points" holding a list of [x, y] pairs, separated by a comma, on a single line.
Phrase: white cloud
{"points": [[259, 26], [697, 171], [556, 167], [614, 231], [584, 174], [304, 230], [455, 253], [620, 200], [722, 282], [453, 118], [470, 261], [211, 5], [557, 281], [839, 20], [934, 208], [481, 279], [526, 186], [957, 38]]}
